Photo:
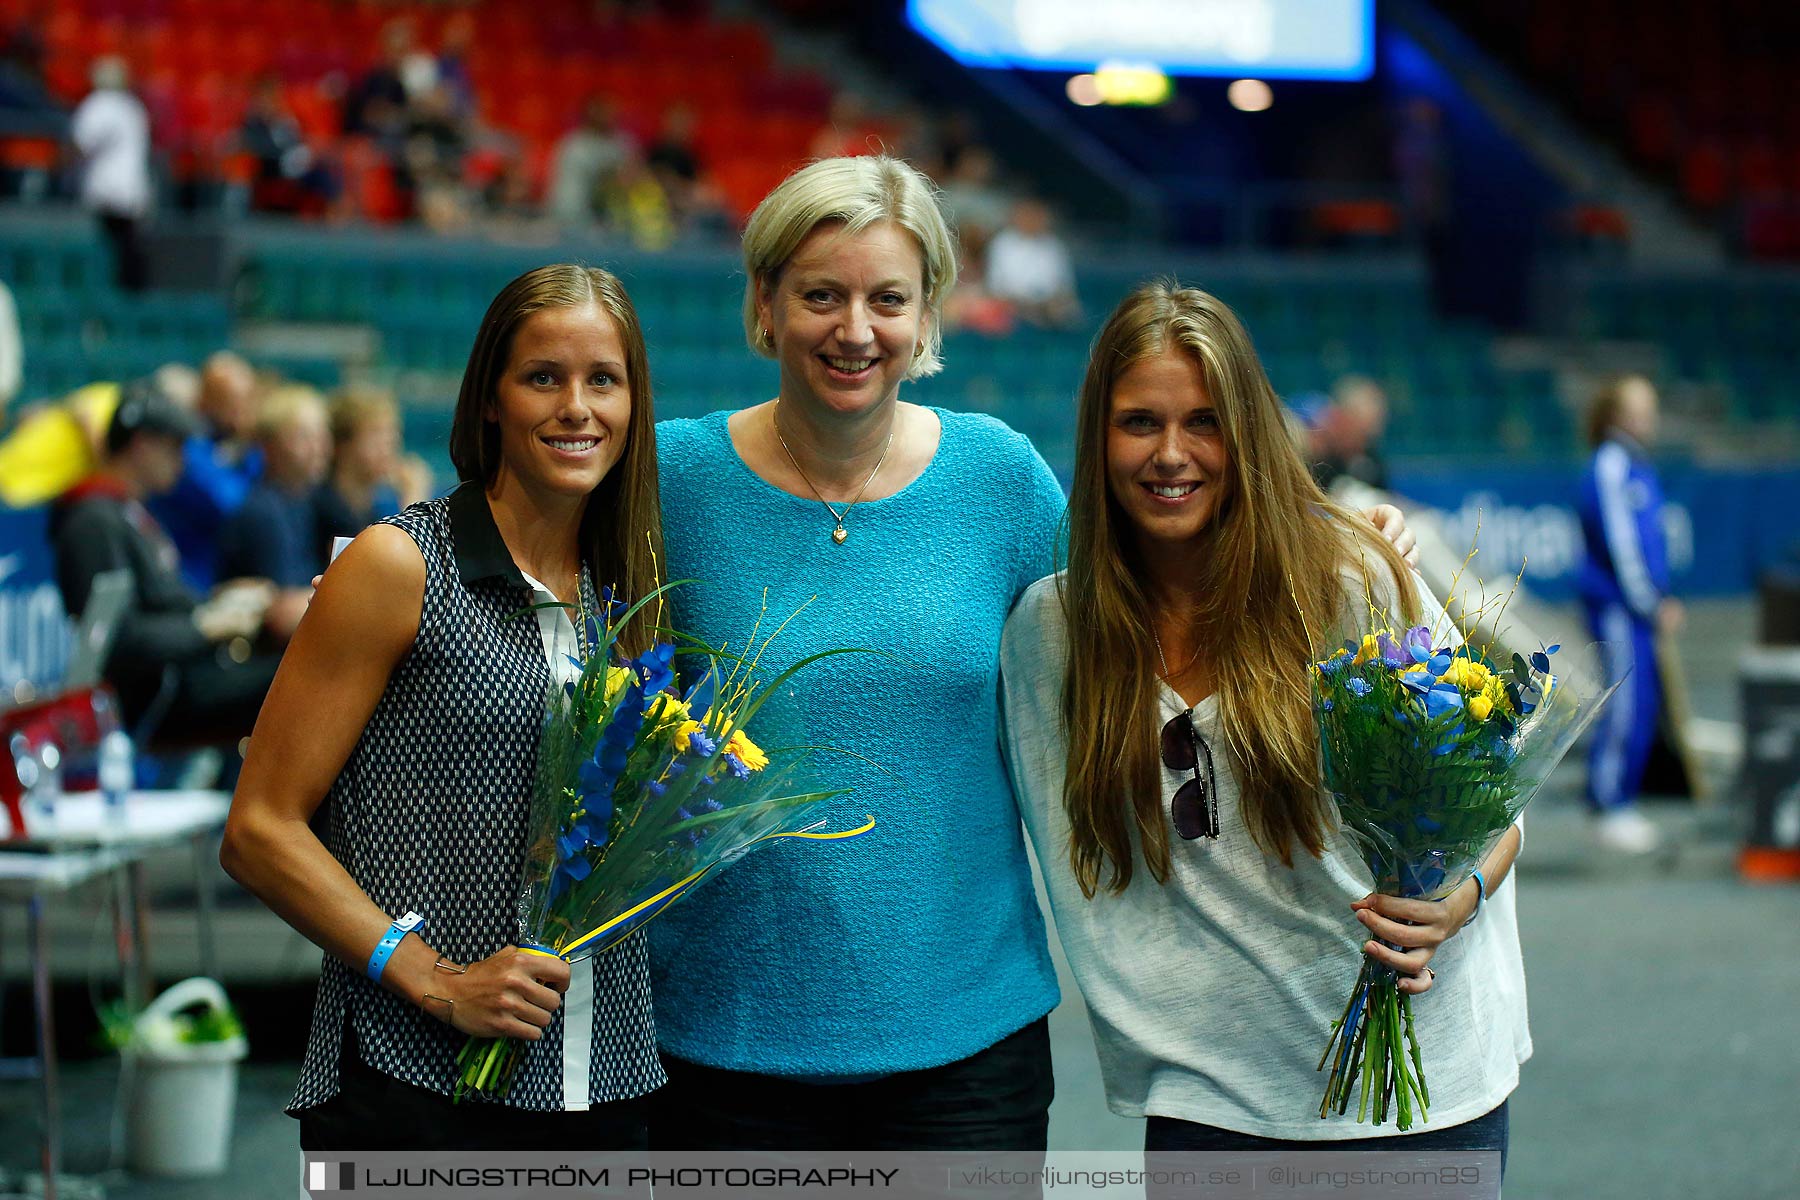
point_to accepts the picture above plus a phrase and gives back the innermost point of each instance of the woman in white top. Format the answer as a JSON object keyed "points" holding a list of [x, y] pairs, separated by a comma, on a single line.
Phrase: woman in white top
{"points": [[1210, 912]]}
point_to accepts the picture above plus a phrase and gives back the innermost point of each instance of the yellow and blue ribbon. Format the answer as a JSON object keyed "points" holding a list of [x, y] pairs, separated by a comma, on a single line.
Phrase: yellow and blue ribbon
{"points": [[605, 936]]}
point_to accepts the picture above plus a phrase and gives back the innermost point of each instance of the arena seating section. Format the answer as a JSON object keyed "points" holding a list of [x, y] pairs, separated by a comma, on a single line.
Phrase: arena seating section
{"points": [[1702, 95], [532, 67]]}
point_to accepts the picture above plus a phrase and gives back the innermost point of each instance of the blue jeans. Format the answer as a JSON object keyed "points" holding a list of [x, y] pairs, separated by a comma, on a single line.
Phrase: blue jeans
{"points": [[1490, 1132], [996, 1099]]}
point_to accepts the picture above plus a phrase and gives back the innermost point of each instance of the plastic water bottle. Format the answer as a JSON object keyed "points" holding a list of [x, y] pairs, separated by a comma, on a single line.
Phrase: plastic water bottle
{"points": [[42, 787], [117, 774]]}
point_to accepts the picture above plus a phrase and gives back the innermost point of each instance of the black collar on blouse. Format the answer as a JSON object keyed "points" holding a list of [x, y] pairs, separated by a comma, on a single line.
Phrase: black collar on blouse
{"points": [[481, 554]]}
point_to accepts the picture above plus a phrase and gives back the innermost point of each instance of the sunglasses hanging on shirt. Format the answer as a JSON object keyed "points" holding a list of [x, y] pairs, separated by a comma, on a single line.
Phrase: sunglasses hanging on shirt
{"points": [[1195, 807]]}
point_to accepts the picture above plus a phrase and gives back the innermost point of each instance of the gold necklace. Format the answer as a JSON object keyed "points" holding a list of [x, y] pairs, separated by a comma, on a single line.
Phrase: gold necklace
{"points": [[840, 533], [1166, 676]]}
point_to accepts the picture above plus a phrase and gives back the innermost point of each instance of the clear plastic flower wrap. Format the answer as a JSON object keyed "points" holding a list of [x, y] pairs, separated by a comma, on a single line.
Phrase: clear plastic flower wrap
{"points": [[1430, 751]]}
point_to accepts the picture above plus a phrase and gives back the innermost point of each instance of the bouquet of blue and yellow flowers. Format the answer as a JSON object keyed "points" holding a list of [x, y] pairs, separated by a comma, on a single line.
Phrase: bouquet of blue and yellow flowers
{"points": [[1430, 752], [642, 791]]}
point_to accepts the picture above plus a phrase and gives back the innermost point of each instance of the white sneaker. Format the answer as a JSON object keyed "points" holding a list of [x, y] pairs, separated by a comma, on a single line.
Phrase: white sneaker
{"points": [[1626, 831]]}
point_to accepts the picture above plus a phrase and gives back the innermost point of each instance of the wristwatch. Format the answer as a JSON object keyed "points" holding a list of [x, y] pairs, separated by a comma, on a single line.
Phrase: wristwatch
{"points": [[412, 922]]}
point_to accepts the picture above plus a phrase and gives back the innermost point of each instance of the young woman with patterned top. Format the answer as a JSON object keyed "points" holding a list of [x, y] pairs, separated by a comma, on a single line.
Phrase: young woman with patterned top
{"points": [[389, 776], [1208, 907]]}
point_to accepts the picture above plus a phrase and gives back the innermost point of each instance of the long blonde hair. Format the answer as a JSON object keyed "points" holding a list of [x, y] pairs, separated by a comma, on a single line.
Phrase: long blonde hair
{"points": [[621, 529], [1277, 546]]}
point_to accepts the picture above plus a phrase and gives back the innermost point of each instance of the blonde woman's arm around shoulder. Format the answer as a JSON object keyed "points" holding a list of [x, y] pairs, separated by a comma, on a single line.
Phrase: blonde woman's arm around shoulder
{"points": [[362, 622]]}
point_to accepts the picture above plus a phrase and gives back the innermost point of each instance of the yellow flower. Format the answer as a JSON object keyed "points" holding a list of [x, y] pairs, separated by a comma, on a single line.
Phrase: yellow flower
{"points": [[666, 708], [1371, 649], [617, 679], [1480, 707], [747, 751], [1467, 674]]}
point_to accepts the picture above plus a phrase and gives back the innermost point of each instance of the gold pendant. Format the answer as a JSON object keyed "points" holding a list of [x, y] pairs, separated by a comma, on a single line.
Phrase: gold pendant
{"points": [[839, 534]]}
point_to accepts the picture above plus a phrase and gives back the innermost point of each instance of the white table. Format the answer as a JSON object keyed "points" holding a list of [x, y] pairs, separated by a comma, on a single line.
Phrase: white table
{"points": [[82, 841]]}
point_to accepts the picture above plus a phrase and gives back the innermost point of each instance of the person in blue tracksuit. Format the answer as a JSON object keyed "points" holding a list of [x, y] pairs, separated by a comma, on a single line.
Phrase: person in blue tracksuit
{"points": [[1625, 589]]}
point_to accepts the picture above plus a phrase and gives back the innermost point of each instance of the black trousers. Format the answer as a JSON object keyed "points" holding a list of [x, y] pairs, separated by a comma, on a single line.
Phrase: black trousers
{"points": [[997, 1099], [130, 261], [373, 1111]]}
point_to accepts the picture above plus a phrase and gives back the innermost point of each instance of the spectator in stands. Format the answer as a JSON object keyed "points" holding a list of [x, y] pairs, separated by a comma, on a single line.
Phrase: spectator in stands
{"points": [[587, 159], [370, 478], [376, 106], [54, 446], [177, 663], [453, 63], [274, 535], [222, 465], [974, 200], [847, 131], [111, 131], [1028, 265], [289, 177], [1348, 432], [1625, 589], [696, 204]]}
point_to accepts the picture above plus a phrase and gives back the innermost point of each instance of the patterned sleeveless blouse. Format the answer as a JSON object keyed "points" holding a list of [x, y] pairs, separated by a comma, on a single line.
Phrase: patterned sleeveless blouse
{"points": [[429, 815]]}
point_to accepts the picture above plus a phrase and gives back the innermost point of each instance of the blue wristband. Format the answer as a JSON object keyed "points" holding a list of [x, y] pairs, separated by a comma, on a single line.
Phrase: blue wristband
{"points": [[1480, 897], [384, 949]]}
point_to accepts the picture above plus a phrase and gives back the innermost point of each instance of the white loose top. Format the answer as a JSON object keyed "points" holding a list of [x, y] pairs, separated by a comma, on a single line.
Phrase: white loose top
{"points": [[1212, 995]]}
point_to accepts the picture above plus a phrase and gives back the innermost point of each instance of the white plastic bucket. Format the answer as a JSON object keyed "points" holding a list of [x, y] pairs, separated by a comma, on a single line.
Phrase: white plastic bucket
{"points": [[181, 1095]]}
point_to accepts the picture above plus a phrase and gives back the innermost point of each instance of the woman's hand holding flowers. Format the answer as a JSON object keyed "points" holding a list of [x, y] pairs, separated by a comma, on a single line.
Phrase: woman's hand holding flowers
{"points": [[509, 994], [1418, 926]]}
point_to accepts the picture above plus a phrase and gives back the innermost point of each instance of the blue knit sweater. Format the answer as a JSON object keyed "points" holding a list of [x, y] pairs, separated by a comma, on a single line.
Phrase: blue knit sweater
{"points": [[920, 943]]}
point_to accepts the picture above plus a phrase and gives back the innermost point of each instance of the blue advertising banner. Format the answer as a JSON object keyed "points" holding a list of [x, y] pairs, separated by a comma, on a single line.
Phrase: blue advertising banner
{"points": [[34, 631], [1723, 527]]}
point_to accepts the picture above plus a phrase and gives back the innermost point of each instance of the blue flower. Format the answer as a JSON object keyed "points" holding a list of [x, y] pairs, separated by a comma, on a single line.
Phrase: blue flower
{"points": [[1442, 698], [736, 766], [612, 604], [1418, 680], [1423, 877], [657, 787], [1359, 686], [701, 744], [654, 668]]}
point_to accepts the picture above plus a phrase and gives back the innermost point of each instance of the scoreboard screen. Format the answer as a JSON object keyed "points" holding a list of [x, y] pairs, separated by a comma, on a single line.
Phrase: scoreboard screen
{"points": [[1270, 39]]}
